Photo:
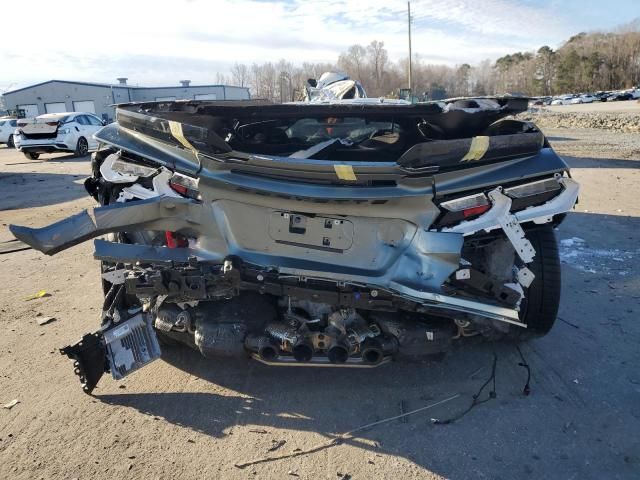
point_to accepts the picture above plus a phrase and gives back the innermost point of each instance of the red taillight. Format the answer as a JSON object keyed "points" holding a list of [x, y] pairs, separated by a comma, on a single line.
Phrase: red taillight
{"points": [[181, 189], [473, 211], [52, 124], [175, 240]]}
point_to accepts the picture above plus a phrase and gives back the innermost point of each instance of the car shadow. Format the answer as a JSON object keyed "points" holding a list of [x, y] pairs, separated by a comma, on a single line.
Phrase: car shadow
{"points": [[26, 189], [67, 158]]}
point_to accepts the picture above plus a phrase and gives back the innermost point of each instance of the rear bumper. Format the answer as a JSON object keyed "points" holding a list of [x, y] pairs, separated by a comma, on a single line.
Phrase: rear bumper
{"points": [[61, 143], [44, 148], [387, 254]]}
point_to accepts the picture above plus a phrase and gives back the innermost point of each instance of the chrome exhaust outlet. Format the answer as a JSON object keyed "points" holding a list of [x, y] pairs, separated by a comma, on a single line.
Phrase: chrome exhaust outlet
{"points": [[263, 346]]}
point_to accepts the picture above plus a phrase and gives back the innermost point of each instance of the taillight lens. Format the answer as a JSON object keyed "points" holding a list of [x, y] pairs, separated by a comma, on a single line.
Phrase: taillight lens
{"points": [[474, 211], [466, 203], [532, 194], [175, 240], [534, 188], [185, 185], [464, 208]]}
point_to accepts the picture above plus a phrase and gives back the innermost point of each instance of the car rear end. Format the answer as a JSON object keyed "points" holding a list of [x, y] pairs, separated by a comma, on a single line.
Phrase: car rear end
{"points": [[340, 234], [45, 134]]}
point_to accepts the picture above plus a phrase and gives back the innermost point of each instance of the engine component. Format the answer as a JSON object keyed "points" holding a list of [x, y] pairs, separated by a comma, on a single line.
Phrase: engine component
{"points": [[171, 317], [220, 339], [416, 338], [131, 345], [222, 326]]}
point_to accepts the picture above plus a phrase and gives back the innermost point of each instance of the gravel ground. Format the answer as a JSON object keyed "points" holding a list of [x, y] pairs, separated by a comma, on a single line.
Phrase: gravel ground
{"points": [[186, 417], [629, 123]]}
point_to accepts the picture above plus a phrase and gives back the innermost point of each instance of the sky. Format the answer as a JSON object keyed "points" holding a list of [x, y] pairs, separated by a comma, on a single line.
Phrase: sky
{"points": [[159, 43]]}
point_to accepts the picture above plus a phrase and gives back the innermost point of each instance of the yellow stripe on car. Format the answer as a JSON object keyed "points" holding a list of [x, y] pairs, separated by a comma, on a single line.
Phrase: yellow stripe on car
{"points": [[345, 172], [477, 149]]}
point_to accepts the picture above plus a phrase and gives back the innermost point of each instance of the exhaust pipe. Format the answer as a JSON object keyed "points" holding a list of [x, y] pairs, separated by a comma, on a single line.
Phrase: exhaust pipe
{"points": [[372, 355], [303, 350], [263, 346], [374, 349], [338, 353]]}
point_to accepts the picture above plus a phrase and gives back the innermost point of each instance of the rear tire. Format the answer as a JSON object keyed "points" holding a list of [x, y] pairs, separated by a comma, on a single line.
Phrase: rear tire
{"points": [[32, 155], [540, 306], [82, 147], [10, 143]]}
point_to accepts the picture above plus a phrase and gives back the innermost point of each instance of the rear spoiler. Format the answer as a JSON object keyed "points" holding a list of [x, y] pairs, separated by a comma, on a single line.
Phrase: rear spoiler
{"points": [[458, 152]]}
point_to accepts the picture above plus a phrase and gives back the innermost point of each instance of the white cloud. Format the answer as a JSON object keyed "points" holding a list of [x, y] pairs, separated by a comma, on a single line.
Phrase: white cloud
{"points": [[153, 43]]}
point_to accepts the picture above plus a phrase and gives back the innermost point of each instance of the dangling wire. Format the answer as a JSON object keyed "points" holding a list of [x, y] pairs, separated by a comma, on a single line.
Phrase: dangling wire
{"points": [[527, 389], [476, 398]]}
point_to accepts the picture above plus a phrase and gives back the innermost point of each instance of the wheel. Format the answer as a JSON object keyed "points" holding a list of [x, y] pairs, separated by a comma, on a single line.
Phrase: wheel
{"points": [[542, 299], [10, 143], [32, 155], [82, 147]]}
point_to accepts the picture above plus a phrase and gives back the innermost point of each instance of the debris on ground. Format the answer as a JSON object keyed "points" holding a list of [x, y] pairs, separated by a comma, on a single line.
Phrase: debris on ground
{"points": [[40, 294], [276, 444], [11, 404], [44, 320], [340, 438], [12, 246]]}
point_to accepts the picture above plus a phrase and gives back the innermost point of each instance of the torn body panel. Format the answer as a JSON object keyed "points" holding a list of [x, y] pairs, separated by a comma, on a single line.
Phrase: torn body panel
{"points": [[356, 231]]}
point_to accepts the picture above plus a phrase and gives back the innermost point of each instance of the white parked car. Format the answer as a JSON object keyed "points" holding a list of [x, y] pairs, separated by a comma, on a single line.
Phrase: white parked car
{"points": [[7, 127], [57, 132], [563, 100], [583, 99]]}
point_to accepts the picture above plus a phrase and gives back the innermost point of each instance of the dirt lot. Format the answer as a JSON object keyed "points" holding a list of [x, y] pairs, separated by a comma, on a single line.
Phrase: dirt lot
{"points": [[185, 417]]}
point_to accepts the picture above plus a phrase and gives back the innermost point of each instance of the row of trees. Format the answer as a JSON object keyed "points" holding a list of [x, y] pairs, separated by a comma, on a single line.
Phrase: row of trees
{"points": [[586, 62]]}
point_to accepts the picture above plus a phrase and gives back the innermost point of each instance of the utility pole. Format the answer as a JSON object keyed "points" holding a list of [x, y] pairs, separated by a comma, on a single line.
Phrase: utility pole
{"points": [[409, 23]]}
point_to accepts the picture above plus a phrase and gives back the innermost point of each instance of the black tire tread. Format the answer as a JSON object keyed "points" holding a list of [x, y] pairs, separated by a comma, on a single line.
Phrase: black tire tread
{"points": [[543, 296]]}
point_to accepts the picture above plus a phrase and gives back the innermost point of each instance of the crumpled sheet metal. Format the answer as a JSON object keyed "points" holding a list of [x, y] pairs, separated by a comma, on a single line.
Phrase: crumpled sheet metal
{"points": [[405, 259]]}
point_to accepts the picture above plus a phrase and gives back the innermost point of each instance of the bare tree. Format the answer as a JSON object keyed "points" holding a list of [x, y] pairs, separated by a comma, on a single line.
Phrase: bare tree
{"points": [[586, 62], [353, 61], [378, 59], [240, 74]]}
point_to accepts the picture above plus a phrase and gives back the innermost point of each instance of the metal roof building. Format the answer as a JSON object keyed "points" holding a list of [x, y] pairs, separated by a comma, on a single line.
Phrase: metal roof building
{"points": [[55, 96]]}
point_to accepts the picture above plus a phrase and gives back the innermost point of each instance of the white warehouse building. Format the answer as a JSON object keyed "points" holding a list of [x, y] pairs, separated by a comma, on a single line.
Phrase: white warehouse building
{"points": [[55, 96]]}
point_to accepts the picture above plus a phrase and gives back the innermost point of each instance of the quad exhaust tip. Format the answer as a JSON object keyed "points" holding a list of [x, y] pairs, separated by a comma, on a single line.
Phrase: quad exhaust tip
{"points": [[372, 356], [338, 354], [303, 352]]}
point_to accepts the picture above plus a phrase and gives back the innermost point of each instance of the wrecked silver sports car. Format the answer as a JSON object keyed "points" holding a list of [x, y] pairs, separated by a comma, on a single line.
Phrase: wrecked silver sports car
{"points": [[330, 234]]}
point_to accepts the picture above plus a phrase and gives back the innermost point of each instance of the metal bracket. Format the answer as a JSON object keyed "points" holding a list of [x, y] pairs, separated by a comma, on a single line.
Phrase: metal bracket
{"points": [[115, 277], [525, 277], [515, 234]]}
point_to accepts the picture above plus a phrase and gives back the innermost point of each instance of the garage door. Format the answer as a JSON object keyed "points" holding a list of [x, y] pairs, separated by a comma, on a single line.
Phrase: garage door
{"points": [[84, 106], [205, 96], [29, 110], [55, 107]]}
